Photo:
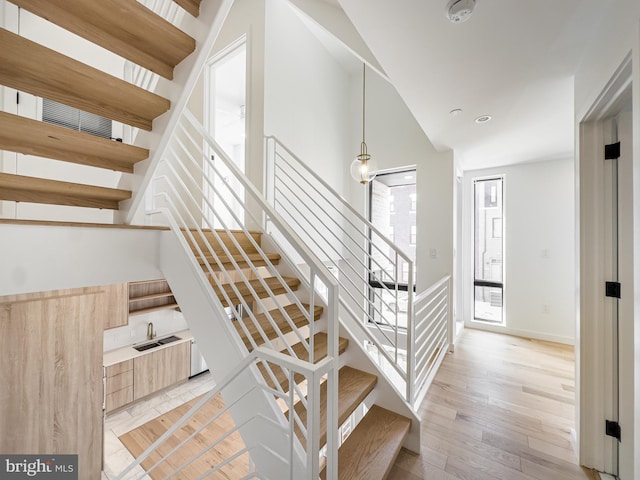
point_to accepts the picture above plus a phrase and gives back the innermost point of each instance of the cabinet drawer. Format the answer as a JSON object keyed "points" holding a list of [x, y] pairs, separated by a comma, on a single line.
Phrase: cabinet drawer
{"points": [[118, 368], [118, 399], [120, 381]]}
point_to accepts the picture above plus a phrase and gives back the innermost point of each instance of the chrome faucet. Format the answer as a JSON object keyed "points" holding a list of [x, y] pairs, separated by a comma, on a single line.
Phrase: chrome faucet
{"points": [[150, 333]]}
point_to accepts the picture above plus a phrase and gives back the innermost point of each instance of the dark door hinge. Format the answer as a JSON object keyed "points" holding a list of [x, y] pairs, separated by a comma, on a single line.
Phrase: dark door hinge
{"points": [[612, 289], [612, 151], [613, 429]]}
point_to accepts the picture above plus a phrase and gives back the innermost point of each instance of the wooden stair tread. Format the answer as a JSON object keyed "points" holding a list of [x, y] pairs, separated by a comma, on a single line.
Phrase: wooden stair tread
{"points": [[33, 68], [353, 387], [124, 27], [255, 259], [210, 241], [319, 352], [19, 188], [372, 447], [191, 6], [297, 316], [31, 137], [273, 284]]}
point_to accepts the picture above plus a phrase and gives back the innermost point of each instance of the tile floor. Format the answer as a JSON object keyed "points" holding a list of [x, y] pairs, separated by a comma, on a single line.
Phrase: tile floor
{"points": [[116, 455]]}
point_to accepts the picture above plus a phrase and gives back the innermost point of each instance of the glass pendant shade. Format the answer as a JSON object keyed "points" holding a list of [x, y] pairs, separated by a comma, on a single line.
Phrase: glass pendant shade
{"points": [[363, 168]]}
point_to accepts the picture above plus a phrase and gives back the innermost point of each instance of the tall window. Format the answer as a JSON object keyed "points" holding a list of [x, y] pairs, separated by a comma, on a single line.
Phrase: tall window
{"points": [[488, 250], [392, 208]]}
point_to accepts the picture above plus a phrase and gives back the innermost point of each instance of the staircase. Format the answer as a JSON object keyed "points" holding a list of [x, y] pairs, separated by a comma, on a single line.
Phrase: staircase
{"points": [[129, 30], [364, 455]]}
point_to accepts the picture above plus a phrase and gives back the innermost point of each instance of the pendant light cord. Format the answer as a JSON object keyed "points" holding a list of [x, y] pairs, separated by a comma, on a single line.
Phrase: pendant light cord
{"points": [[364, 87]]}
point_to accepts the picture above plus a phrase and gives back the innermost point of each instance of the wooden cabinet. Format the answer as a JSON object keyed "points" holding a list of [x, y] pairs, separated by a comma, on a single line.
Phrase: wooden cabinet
{"points": [[119, 385], [51, 375], [150, 296], [160, 369], [117, 314]]}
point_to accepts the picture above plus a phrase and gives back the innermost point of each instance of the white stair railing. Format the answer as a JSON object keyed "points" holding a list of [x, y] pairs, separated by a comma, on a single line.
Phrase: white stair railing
{"points": [[188, 453], [375, 290], [215, 210]]}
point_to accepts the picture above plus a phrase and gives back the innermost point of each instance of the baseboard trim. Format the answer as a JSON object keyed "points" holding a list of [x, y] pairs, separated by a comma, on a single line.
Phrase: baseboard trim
{"points": [[520, 333]]}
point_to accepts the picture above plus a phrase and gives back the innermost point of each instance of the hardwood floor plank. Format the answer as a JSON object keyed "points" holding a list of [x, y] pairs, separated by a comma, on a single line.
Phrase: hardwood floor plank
{"points": [[500, 407]]}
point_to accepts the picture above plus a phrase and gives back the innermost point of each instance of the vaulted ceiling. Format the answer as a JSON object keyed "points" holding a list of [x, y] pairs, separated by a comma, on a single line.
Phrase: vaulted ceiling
{"points": [[513, 60]]}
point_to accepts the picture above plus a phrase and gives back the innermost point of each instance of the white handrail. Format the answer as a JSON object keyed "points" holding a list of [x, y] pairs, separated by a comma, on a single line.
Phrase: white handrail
{"points": [[362, 254], [312, 372], [207, 227]]}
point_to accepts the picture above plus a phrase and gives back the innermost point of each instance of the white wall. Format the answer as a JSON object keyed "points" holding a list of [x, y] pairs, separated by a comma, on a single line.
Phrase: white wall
{"points": [[539, 249], [395, 140], [306, 95]]}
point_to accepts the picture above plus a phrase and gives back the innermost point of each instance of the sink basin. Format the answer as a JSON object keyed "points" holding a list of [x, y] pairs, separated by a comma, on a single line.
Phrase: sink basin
{"points": [[172, 338], [147, 346], [157, 343]]}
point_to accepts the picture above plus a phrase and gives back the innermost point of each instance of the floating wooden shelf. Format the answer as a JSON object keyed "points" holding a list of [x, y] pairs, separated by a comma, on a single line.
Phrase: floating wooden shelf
{"points": [[150, 296]]}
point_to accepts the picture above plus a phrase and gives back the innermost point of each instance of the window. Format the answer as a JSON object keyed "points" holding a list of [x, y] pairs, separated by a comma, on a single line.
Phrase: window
{"points": [[69, 117], [488, 250], [391, 209]]}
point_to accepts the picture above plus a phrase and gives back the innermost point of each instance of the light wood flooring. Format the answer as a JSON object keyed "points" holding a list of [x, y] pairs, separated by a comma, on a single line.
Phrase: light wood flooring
{"points": [[501, 407]]}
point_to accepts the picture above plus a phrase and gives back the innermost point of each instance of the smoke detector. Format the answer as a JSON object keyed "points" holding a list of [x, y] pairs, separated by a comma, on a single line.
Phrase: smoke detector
{"points": [[459, 11]]}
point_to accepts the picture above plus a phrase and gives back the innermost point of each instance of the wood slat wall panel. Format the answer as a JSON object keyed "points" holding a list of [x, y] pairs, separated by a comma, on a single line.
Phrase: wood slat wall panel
{"points": [[124, 27], [32, 68], [31, 137]]}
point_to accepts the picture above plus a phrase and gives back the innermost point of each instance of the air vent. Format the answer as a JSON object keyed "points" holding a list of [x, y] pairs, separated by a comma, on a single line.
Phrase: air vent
{"points": [[69, 117]]}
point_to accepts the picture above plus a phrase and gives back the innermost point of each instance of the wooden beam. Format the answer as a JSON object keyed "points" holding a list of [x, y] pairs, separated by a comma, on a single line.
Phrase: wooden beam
{"points": [[31, 137], [32, 68], [124, 27]]}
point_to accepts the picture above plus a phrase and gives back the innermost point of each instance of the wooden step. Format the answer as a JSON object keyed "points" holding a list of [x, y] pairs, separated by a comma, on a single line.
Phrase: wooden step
{"points": [[19, 188], [243, 240], [299, 350], [296, 315], [353, 387], [372, 447], [273, 284], [30, 67], [255, 259], [124, 27], [191, 6], [31, 137]]}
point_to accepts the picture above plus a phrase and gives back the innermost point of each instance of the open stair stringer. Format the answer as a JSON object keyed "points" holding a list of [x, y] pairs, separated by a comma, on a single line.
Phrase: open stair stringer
{"points": [[223, 350]]}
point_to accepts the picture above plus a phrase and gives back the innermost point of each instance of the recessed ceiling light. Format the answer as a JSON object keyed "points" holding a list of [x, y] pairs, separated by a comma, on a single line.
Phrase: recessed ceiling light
{"points": [[455, 112], [483, 118]]}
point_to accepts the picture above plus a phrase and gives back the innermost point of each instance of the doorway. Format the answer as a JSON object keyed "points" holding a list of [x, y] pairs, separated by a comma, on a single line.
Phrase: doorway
{"points": [[606, 349], [225, 120]]}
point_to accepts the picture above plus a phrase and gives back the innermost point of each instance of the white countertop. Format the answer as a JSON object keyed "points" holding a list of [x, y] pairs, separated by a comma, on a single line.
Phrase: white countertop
{"points": [[123, 354]]}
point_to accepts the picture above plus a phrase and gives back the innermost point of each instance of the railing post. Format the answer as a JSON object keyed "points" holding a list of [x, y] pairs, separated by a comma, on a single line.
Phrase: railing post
{"points": [[450, 320], [411, 335], [332, 384]]}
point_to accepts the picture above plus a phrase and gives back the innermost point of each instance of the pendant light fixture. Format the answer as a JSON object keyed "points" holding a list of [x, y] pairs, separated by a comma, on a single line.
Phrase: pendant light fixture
{"points": [[363, 168]]}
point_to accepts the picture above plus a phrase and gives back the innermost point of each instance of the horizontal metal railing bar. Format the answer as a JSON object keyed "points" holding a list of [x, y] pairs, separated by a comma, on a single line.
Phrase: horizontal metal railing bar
{"points": [[438, 296], [292, 237], [426, 369], [433, 315], [370, 302], [272, 270], [232, 285], [422, 295], [342, 200], [341, 256], [442, 315], [431, 348], [356, 228]]}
